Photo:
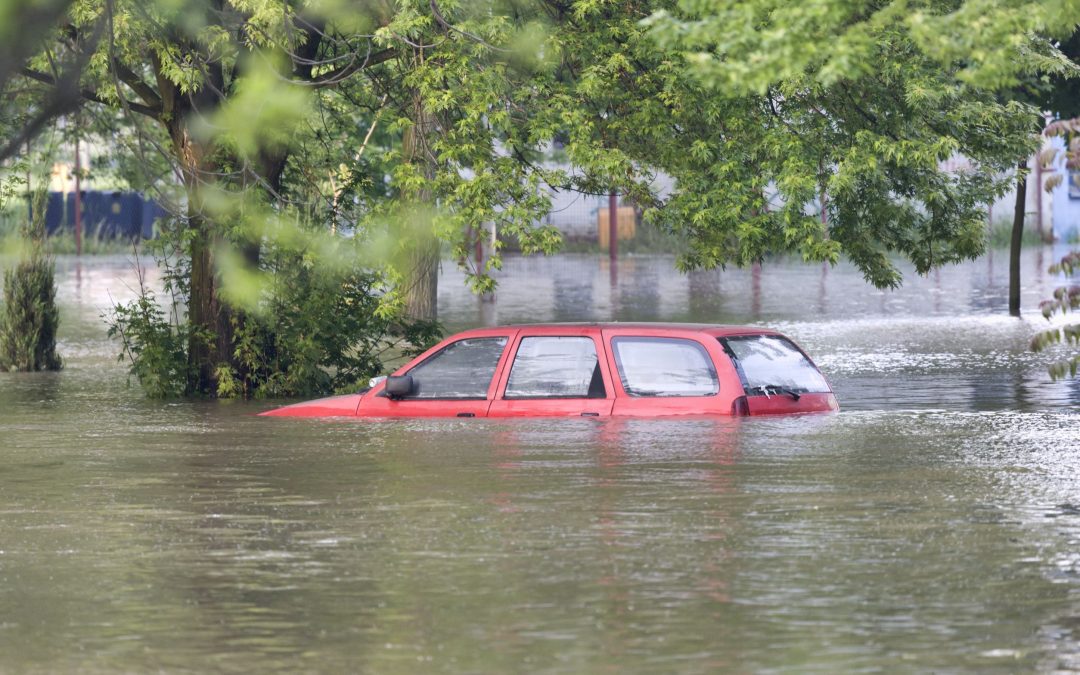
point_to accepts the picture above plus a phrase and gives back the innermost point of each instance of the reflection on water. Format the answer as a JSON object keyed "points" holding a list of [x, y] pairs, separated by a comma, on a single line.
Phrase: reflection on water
{"points": [[932, 525]]}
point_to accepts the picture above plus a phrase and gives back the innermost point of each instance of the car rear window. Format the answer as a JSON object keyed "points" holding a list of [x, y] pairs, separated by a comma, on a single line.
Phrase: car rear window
{"points": [[664, 367], [555, 367], [462, 369], [768, 362]]}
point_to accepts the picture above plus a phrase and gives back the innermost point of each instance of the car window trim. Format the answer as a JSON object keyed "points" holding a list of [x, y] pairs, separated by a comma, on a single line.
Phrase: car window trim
{"points": [[663, 338], [494, 378], [601, 360]]}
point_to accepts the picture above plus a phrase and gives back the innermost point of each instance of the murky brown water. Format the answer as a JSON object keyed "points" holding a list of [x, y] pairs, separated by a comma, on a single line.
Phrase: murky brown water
{"points": [[934, 524]]}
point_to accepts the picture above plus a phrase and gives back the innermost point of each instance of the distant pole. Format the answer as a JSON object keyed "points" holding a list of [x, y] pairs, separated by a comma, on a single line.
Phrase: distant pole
{"points": [[1038, 197], [29, 193], [824, 197], [78, 199], [755, 290], [1016, 240], [613, 226]]}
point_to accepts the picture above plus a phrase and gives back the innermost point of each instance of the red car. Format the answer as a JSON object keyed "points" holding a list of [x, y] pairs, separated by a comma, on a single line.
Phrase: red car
{"points": [[593, 370]]}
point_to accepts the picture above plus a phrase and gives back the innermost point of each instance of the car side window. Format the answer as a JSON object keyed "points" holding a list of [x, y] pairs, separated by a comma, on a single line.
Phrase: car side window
{"points": [[555, 367], [462, 369], [653, 366]]}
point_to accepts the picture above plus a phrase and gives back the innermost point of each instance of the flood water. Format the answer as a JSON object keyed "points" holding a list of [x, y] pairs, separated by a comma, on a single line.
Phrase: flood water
{"points": [[933, 524]]}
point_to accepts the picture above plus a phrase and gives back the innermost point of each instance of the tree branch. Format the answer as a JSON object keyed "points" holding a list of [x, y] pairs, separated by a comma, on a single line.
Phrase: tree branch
{"points": [[131, 79], [86, 94], [29, 22], [333, 77], [447, 26]]}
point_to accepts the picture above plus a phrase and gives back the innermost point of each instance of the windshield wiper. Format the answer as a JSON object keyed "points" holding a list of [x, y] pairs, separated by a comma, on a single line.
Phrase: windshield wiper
{"points": [[770, 389]]}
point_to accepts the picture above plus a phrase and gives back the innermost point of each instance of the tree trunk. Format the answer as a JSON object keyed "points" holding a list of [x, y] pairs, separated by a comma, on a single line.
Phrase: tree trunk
{"points": [[1015, 242], [422, 291], [210, 320], [201, 307], [422, 273], [210, 323]]}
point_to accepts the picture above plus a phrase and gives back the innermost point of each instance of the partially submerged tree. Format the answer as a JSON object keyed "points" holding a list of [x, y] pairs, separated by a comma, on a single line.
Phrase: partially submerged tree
{"points": [[29, 316], [228, 83], [239, 96], [397, 120], [1065, 299], [1056, 93], [863, 103]]}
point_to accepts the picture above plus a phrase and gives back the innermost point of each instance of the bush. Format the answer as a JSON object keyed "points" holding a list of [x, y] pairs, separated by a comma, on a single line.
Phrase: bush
{"points": [[30, 317], [155, 347], [313, 332]]}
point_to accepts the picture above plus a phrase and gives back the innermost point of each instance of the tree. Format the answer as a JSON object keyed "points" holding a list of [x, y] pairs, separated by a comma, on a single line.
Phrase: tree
{"points": [[29, 317], [1057, 93], [239, 95], [864, 102], [198, 70], [420, 117], [1065, 298]]}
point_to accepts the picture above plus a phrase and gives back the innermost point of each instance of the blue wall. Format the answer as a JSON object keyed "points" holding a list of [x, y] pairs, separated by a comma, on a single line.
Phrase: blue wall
{"points": [[107, 215]]}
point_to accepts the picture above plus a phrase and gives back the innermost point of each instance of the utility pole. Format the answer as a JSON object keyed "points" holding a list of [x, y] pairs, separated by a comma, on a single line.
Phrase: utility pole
{"points": [[78, 196], [613, 226]]}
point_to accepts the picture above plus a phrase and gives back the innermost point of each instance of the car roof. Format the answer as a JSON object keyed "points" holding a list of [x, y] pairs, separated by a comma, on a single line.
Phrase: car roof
{"points": [[653, 328]]}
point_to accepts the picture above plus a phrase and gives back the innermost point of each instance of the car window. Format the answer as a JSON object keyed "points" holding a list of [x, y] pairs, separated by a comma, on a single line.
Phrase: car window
{"points": [[462, 369], [769, 361], [664, 367], [555, 367]]}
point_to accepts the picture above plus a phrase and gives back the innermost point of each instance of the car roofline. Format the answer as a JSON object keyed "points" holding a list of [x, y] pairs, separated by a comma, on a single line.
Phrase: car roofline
{"points": [[713, 330]]}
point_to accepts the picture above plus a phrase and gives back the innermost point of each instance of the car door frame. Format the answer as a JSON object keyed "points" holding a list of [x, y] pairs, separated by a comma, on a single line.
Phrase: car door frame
{"points": [[377, 403], [653, 406], [554, 407]]}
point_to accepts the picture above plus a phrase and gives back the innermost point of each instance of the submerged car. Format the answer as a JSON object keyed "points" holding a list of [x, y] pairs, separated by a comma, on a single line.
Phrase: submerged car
{"points": [[593, 370]]}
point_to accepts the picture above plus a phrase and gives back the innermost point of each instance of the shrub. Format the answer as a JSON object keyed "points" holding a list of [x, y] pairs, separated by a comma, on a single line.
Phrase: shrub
{"points": [[30, 318]]}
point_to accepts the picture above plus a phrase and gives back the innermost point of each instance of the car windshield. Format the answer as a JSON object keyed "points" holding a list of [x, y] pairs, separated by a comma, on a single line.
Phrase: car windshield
{"points": [[769, 363]]}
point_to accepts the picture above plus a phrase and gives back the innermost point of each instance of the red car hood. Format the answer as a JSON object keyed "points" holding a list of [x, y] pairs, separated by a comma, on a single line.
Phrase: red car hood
{"points": [[334, 406]]}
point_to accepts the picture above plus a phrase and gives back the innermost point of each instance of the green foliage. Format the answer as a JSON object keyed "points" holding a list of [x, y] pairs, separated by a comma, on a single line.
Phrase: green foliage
{"points": [[30, 317], [828, 106], [154, 347], [295, 127], [312, 331], [63, 243], [999, 235], [1066, 299], [316, 333]]}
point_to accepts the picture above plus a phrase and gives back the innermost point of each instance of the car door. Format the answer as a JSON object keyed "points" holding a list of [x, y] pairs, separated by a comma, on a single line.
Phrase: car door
{"points": [[668, 373], [455, 379], [555, 373]]}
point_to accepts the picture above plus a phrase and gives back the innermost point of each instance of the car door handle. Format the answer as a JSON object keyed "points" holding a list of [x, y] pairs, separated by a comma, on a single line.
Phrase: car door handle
{"points": [[586, 414], [466, 414]]}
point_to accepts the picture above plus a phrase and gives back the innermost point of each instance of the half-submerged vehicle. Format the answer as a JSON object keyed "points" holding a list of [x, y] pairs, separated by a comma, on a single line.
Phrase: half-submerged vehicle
{"points": [[593, 370]]}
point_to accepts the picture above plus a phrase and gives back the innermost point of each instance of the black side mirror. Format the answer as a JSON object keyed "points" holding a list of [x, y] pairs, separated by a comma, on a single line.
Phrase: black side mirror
{"points": [[399, 386]]}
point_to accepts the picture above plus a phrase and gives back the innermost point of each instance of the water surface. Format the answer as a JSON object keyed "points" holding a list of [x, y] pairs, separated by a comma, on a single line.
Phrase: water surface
{"points": [[934, 524]]}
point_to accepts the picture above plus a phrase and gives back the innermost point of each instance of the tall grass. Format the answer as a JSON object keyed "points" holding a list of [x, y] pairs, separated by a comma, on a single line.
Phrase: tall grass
{"points": [[61, 242]]}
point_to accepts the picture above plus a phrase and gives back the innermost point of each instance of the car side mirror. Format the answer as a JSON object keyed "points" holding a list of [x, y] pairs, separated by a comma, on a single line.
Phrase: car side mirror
{"points": [[399, 386]]}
